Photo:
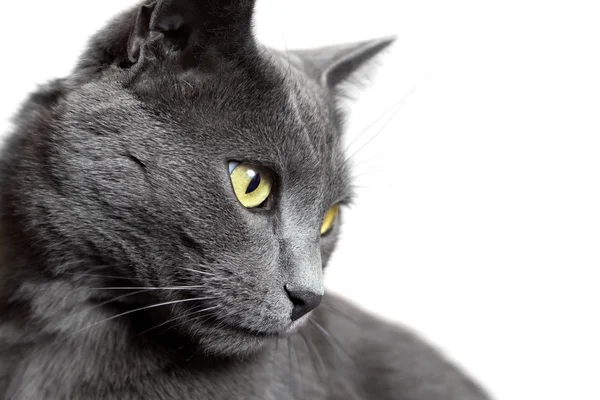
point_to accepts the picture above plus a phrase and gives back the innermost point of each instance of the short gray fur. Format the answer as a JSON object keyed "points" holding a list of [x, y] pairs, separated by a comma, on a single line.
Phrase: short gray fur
{"points": [[116, 176]]}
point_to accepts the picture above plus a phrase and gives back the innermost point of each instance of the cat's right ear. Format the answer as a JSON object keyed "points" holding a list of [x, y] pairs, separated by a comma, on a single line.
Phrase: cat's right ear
{"points": [[189, 29], [188, 32], [140, 32]]}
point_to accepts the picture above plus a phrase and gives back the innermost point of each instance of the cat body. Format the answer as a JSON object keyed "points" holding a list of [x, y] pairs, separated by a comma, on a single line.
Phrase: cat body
{"points": [[133, 267]]}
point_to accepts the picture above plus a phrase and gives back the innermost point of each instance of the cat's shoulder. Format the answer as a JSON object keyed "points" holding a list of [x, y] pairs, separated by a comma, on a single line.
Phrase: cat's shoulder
{"points": [[391, 358]]}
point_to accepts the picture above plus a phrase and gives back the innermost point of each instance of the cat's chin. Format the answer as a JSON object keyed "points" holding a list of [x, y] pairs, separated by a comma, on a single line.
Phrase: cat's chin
{"points": [[232, 340], [295, 326]]}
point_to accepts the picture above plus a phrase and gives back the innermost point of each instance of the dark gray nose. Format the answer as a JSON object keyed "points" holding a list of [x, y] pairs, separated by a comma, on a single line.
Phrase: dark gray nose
{"points": [[304, 301]]}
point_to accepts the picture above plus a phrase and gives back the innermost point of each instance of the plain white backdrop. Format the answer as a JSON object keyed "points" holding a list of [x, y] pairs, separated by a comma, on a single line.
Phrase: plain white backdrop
{"points": [[478, 217]]}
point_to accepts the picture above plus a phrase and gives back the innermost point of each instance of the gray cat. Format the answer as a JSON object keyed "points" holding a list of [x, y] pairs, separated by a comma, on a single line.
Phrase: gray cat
{"points": [[166, 215]]}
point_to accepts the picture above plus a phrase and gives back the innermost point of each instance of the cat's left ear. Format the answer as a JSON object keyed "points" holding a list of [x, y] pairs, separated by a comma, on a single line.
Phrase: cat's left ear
{"points": [[331, 66]]}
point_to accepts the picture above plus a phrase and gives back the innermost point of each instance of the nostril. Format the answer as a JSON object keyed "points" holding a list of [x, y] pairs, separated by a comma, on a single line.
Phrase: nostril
{"points": [[298, 298], [304, 301]]}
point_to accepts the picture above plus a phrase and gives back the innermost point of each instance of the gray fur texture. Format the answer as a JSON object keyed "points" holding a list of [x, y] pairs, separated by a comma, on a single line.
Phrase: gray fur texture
{"points": [[129, 269]]}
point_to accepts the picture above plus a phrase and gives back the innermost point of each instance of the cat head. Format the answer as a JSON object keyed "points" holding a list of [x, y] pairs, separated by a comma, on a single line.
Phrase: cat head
{"points": [[183, 156]]}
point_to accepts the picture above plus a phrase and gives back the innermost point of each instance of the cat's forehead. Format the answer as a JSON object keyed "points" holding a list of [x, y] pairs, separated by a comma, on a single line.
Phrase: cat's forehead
{"points": [[310, 112], [269, 109]]}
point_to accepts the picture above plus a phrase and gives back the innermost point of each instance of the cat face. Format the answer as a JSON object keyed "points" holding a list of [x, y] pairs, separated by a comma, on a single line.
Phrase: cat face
{"points": [[200, 165], [151, 183]]}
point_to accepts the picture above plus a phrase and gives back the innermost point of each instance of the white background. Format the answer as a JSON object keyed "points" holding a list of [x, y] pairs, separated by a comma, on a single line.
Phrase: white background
{"points": [[478, 218]]}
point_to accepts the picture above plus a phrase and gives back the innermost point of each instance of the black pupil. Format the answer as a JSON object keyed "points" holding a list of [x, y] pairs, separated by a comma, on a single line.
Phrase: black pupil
{"points": [[253, 183]]}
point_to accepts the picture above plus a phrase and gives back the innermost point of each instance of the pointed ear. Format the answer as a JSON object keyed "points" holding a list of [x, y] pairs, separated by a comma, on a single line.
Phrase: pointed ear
{"points": [[192, 27], [186, 29], [334, 65]]}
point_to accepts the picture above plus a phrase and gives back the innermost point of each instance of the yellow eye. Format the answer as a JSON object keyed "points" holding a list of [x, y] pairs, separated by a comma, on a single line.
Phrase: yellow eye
{"points": [[252, 184], [329, 219]]}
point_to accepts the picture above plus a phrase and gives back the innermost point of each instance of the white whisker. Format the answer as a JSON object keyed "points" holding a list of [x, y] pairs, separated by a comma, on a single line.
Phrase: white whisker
{"points": [[198, 272], [385, 125], [147, 288], [171, 320], [138, 309], [373, 123]]}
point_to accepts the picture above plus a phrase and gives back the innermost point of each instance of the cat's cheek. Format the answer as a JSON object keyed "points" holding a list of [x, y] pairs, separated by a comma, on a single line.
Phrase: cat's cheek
{"points": [[328, 245]]}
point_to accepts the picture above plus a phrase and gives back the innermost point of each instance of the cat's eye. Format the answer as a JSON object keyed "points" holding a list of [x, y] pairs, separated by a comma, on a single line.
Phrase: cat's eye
{"points": [[330, 217], [252, 184]]}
